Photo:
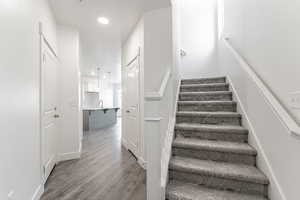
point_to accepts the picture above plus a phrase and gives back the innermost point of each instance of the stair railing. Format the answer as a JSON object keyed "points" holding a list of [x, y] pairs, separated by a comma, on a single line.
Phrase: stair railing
{"points": [[285, 117], [158, 130]]}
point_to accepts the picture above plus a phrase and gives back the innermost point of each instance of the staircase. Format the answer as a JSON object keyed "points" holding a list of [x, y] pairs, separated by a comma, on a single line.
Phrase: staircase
{"points": [[211, 157]]}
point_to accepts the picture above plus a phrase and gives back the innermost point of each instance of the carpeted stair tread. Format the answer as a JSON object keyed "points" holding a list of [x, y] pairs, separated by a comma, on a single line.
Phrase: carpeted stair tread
{"points": [[229, 118], [207, 103], [185, 191], [205, 96], [204, 80], [208, 106], [212, 128], [210, 145], [239, 172], [208, 114], [205, 84], [205, 93], [204, 87]]}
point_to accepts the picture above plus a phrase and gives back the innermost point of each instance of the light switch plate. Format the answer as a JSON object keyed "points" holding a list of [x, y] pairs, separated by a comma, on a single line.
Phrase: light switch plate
{"points": [[295, 100]]}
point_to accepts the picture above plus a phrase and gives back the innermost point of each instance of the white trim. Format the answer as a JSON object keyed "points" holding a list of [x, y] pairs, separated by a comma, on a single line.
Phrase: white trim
{"points": [[167, 148], [157, 96], [45, 39], [142, 163], [68, 156], [136, 57], [42, 175], [152, 119], [247, 124], [140, 160], [173, 2], [38, 193], [283, 115], [124, 143], [80, 143]]}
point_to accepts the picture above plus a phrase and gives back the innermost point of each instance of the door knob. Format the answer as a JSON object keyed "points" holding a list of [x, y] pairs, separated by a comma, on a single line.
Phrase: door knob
{"points": [[56, 116], [128, 111]]}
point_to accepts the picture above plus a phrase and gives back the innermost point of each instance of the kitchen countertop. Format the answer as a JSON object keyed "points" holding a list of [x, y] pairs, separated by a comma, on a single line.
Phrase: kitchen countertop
{"points": [[96, 117], [95, 109]]}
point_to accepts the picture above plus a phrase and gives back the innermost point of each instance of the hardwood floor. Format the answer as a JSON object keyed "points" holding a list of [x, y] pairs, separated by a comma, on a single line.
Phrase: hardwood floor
{"points": [[106, 171]]}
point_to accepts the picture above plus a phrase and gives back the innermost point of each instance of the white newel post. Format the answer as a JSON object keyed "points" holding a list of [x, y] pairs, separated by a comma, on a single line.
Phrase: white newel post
{"points": [[157, 118], [153, 147]]}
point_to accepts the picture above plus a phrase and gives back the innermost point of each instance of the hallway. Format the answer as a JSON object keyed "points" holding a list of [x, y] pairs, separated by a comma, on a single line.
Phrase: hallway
{"points": [[105, 171]]}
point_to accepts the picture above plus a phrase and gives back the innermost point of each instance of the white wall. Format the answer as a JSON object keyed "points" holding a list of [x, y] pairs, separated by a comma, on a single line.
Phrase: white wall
{"points": [[106, 88], [159, 60], [107, 93], [198, 27], [176, 39], [162, 54], [117, 96], [134, 42], [70, 110], [158, 46], [101, 50], [266, 33], [19, 74]]}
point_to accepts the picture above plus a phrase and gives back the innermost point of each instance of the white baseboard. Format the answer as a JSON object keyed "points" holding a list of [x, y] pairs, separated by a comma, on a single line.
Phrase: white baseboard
{"points": [[38, 193], [69, 156], [140, 160], [125, 144], [264, 165], [142, 163]]}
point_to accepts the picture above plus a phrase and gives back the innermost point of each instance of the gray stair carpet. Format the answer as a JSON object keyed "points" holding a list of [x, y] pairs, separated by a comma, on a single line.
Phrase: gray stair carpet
{"points": [[204, 87], [186, 191], [226, 106], [211, 158]]}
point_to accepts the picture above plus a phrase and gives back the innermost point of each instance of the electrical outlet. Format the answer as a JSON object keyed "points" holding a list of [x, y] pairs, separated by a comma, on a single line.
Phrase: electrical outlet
{"points": [[295, 100], [10, 195]]}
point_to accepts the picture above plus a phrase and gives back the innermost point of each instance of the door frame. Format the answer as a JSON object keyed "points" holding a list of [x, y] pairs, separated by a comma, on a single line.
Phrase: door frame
{"points": [[140, 111], [44, 43]]}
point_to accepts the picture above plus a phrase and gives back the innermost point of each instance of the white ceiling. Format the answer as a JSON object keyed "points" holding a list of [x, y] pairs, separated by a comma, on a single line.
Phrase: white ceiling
{"points": [[101, 45]]}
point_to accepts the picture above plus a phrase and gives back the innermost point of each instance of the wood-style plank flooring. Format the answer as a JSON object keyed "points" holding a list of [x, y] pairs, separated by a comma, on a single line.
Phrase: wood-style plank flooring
{"points": [[106, 171]]}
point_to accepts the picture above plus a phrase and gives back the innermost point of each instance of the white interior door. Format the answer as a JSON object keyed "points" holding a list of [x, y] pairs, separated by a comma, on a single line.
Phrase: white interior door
{"points": [[49, 108], [131, 106]]}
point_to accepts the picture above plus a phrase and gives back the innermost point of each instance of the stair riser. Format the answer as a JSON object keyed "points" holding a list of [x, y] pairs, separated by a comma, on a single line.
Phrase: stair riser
{"points": [[171, 197], [207, 107], [209, 120], [215, 156], [194, 192], [206, 135], [205, 97], [220, 183], [204, 88], [203, 81]]}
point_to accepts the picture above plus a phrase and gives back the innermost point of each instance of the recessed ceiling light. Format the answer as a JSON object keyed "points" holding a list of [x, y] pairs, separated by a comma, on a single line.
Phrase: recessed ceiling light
{"points": [[103, 20]]}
